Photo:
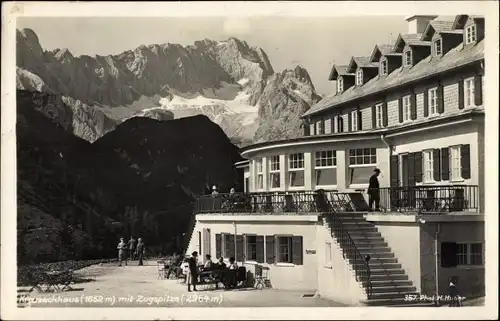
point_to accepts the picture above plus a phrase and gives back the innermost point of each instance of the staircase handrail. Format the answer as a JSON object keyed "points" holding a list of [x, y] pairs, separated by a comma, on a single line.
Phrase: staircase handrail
{"points": [[351, 245]]}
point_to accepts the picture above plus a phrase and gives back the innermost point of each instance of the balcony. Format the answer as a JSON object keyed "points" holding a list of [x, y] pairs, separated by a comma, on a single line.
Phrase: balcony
{"points": [[430, 199], [420, 199]]}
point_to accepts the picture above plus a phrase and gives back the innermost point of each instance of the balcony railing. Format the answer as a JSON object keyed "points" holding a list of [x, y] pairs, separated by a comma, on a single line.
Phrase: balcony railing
{"points": [[430, 199], [265, 202], [422, 199]]}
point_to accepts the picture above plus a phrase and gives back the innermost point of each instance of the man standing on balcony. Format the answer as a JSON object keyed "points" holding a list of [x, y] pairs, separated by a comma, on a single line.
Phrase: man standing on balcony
{"points": [[374, 190]]}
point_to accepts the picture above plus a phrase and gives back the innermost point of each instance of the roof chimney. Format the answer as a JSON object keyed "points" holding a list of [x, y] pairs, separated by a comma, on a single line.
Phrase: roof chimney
{"points": [[417, 24]]}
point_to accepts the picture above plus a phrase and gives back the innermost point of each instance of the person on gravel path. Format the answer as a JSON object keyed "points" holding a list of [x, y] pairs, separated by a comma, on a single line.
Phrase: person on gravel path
{"points": [[122, 252]]}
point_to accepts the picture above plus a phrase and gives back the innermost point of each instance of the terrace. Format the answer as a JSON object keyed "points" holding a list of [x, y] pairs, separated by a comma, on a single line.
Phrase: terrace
{"points": [[412, 199]]}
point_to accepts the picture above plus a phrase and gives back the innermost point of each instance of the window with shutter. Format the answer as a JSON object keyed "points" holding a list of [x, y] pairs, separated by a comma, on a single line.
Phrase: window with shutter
{"points": [[400, 109], [349, 122], [307, 131], [413, 108], [360, 119], [445, 164], [259, 249], [374, 116], [478, 90], [437, 164], [270, 253], [218, 245], [426, 103], [448, 254], [385, 114], [297, 251], [206, 242], [465, 161], [455, 163], [284, 249], [228, 245], [440, 99], [239, 255], [394, 170], [411, 169], [418, 167]]}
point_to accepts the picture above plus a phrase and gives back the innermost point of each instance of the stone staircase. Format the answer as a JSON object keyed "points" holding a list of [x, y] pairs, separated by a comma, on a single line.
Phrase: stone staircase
{"points": [[389, 282]]}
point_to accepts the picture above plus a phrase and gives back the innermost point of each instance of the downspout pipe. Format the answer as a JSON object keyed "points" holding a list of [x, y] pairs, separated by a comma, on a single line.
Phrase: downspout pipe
{"points": [[436, 261]]}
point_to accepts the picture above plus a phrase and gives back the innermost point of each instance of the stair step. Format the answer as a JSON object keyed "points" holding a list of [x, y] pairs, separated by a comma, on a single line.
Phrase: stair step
{"points": [[385, 282], [364, 228], [351, 223], [370, 242], [364, 232], [380, 255], [379, 260], [386, 272], [387, 278], [367, 249], [373, 238], [392, 289]]}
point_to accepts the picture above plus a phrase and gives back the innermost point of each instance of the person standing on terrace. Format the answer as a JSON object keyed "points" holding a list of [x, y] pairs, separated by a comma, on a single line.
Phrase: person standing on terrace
{"points": [[374, 191], [214, 191]]}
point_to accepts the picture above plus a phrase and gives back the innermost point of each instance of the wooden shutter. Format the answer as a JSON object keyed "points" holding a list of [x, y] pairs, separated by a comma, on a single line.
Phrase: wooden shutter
{"points": [[413, 107], [411, 169], [311, 129], [230, 245], [385, 114], [349, 120], [259, 239], [206, 242], [340, 125], [307, 130], [445, 164], [218, 245], [461, 94], [465, 161], [440, 99], [449, 254], [400, 109], [332, 124], [478, 90], [297, 252], [394, 171], [360, 119], [418, 167], [426, 103], [240, 255], [270, 249], [374, 117], [437, 164]]}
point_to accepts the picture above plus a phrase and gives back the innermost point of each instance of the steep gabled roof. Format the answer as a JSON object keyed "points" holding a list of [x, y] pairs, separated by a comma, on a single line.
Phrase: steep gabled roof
{"points": [[360, 62], [384, 49], [338, 71], [455, 58], [461, 19], [439, 27], [413, 39]]}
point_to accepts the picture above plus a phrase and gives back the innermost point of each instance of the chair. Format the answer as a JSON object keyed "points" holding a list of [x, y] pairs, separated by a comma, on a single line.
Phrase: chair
{"points": [[160, 267], [261, 277]]}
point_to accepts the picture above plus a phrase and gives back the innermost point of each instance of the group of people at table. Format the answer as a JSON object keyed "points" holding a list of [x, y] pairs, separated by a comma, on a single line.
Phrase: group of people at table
{"points": [[195, 273]]}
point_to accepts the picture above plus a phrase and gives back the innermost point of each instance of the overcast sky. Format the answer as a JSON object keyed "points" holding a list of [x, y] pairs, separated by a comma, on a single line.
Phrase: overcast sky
{"points": [[313, 42]]}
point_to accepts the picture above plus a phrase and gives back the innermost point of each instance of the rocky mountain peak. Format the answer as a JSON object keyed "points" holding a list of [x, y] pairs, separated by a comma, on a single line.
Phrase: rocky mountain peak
{"points": [[229, 81]]}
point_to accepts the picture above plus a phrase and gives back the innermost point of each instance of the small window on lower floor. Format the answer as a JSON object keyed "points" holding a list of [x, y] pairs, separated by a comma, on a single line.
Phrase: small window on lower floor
{"points": [[360, 175], [328, 253], [284, 249], [460, 254], [251, 254], [326, 176]]}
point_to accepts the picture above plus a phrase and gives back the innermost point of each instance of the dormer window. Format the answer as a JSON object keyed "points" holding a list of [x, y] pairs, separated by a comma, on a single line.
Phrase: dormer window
{"points": [[438, 47], [470, 34], [340, 85], [359, 77], [407, 58], [383, 67]]}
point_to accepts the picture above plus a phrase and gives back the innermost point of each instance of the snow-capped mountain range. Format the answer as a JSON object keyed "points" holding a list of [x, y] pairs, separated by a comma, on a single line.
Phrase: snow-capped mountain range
{"points": [[230, 82]]}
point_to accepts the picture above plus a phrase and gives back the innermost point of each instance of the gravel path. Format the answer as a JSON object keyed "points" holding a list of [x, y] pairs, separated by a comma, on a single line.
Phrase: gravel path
{"points": [[138, 286]]}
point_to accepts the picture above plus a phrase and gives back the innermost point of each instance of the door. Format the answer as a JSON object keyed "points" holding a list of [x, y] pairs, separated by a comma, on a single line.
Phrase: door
{"points": [[247, 184], [408, 180]]}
